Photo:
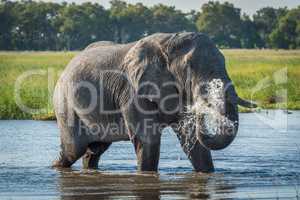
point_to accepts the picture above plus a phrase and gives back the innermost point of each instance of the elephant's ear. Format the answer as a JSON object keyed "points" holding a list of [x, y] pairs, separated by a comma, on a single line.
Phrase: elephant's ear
{"points": [[180, 44], [183, 45], [147, 67]]}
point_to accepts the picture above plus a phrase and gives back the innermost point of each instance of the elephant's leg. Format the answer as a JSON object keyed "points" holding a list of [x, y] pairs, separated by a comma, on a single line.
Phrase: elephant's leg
{"points": [[91, 158], [201, 159], [143, 126], [147, 155], [73, 143]]}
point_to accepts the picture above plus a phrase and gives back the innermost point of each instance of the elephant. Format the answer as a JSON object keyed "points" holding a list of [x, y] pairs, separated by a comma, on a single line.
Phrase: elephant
{"points": [[130, 92]]}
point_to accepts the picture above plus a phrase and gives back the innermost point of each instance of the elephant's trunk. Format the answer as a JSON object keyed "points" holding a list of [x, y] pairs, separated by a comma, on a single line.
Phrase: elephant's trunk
{"points": [[217, 124], [215, 116], [218, 132], [246, 103]]}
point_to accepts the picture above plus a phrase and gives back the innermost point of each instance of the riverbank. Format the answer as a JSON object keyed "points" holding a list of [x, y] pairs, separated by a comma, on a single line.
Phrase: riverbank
{"points": [[269, 77]]}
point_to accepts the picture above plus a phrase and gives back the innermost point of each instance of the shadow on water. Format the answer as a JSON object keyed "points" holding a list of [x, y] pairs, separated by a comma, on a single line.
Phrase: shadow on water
{"points": [[75, 185]]}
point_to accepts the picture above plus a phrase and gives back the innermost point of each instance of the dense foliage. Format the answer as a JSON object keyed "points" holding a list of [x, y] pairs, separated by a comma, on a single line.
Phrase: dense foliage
{"points": [[32, 25]]}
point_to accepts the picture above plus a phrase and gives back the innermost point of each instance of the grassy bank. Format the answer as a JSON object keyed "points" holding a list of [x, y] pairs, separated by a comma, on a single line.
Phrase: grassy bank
{"points": [[249, 69]]}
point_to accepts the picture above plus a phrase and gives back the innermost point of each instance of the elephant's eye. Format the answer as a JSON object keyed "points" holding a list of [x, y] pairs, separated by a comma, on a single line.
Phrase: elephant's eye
{"points": [[210, 73], [203, 91]]}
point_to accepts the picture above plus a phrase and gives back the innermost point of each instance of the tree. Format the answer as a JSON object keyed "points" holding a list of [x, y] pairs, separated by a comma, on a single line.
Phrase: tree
{"points": [[83, 24], [130, 22], [168, 19], [39, 25], [222, 23], [249, 36], [287, 33], [266, 20], [33, 27], [6, 21]]}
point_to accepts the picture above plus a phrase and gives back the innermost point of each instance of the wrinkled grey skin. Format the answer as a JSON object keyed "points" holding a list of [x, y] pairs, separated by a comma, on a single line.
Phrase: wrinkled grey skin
{"points": [[158, 58]]}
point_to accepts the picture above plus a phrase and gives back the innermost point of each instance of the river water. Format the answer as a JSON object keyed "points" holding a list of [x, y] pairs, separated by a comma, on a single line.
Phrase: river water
{"points": [[262, 163]]}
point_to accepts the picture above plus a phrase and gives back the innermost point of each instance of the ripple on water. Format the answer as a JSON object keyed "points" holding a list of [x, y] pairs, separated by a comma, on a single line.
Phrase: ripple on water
{"points": [[261, 163]]}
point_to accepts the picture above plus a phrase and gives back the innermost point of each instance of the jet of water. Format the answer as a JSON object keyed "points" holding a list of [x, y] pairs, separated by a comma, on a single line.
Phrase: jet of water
{"points": [[204, 116]]}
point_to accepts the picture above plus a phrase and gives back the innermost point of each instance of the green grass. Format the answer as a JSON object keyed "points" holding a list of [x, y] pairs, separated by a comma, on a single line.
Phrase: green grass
{"points": [[34, 90], [250, 68], [246, 68]]}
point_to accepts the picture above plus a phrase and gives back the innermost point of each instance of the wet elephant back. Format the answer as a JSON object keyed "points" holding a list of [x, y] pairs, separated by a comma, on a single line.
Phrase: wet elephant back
{"points": [[99, 89]]}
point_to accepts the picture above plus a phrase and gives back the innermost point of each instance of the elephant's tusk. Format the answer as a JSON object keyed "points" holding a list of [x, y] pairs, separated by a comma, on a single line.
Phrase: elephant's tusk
{"points": [[245, 103]]}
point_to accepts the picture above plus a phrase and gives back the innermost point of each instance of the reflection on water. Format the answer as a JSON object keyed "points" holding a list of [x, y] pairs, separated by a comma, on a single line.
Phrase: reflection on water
{"points": [[263, 162], [95, 185]]}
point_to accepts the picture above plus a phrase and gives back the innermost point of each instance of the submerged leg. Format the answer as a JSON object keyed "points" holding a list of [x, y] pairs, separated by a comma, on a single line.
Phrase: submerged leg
{"points": [[91, 158], [73, 142], [143, 125], [201, 159], [199, 156], [147, 155], [69, 154]]}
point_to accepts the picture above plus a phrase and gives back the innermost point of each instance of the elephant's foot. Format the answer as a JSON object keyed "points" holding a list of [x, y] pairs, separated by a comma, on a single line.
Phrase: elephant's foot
{"points": [[91, 158], [62, 162], [67, 158], [147, 156]]}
